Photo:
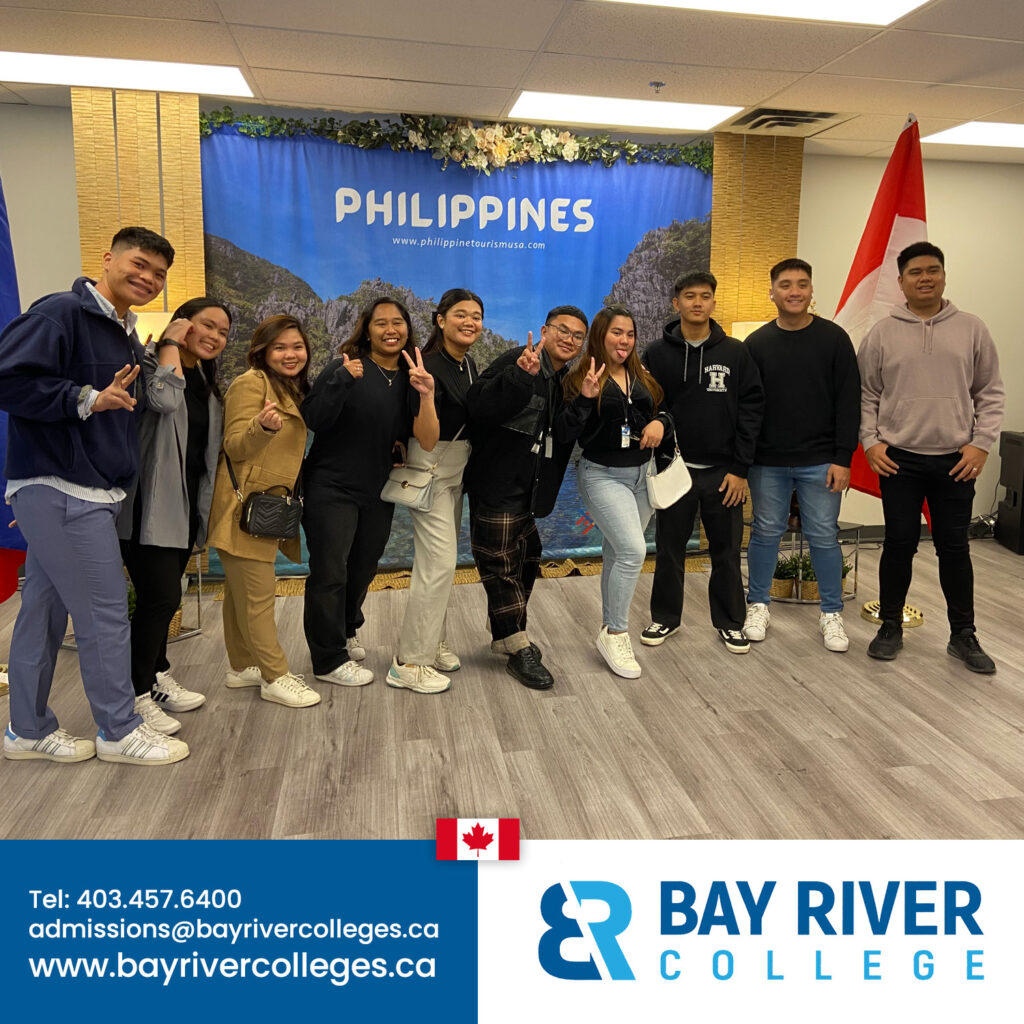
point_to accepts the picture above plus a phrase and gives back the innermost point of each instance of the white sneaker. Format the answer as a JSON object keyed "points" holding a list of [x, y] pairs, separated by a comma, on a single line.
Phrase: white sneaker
{"points": [[244, 677], [143, 746], [755, 625], [356, 651], [349, 674], [170, 694], [617, 650], [420, 678], [154, 717], [58, 746], [447, 660], [832, 631], [290, 690]]}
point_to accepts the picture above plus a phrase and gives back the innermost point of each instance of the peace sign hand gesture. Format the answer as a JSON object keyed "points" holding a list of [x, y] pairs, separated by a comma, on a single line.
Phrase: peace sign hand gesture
{"points": [[419, 378], [115, 395], [591, 386], [354, 366], [530, 358]]}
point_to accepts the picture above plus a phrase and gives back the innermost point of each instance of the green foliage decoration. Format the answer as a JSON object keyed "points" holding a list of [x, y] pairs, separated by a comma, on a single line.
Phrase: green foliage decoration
{"points": [[483, 148]]}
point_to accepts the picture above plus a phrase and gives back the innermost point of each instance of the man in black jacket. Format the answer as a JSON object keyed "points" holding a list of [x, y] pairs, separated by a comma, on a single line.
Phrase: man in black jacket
{"points": [[521, 447], [713, 393]]}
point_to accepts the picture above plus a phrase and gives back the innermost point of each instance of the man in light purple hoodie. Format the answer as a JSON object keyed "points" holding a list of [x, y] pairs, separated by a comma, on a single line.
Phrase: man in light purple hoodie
{"points": [[931, 407]]}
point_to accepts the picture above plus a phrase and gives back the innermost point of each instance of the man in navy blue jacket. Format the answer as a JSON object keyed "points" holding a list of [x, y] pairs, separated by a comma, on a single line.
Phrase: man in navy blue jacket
{"points": [[68, 369]]}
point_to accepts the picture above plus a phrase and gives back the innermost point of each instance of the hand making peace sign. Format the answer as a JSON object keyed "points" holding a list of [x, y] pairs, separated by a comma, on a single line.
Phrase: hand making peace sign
{"points": [[419, 378], [530, 358], [591, 386], [115, 395]]}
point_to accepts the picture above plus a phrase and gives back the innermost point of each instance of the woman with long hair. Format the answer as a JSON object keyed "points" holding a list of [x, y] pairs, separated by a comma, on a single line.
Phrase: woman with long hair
{"points": [[611, 391], [359, 412], [423, 652], [166, 514], [265, 439]]}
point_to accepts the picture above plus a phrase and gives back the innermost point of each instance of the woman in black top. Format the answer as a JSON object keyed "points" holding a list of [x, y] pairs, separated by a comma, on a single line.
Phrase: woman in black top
{"points": [[610, 390], [423, 652], [359, 412], [166, 513]]}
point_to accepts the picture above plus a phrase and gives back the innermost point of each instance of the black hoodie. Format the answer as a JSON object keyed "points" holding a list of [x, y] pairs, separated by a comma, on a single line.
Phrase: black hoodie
{"points": [[714, 395]]}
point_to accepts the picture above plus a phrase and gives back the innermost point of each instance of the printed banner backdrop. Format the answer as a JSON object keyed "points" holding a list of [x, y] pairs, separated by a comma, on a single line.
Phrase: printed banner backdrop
{"points": [[317, 229]]}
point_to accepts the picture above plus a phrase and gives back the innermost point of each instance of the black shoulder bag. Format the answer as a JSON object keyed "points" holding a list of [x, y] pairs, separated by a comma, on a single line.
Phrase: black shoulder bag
{"points": [[269, 515]]}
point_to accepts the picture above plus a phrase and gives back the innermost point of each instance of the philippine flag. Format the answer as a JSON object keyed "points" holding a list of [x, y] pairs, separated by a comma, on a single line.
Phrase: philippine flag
{"points": [[897, 219], [478, 839]]}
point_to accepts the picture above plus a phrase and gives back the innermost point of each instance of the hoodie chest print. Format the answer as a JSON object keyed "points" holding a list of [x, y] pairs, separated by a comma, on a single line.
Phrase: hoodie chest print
{"points": [[717, 374]]}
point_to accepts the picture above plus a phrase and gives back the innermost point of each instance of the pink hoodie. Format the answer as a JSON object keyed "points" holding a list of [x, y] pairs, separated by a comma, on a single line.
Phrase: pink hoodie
{"points": [[930, 386]]}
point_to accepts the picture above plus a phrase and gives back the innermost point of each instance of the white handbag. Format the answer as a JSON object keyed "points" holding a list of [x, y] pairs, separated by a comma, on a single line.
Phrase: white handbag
{"points": [[413, 486], [664, 489]]}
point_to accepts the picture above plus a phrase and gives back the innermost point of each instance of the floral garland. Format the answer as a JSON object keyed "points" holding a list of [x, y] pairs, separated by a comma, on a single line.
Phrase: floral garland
{"points": [[485, 148]]}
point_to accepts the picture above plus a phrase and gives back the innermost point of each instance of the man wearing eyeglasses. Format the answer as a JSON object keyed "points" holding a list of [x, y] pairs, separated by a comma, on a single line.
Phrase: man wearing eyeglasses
{"points": [[521, 447]]}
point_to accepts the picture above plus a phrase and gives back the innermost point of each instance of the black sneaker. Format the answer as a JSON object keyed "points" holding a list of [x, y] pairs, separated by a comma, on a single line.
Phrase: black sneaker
{"points": [[525, 666], [656, 634], [964, 645], [888, 642], [734, 640]]}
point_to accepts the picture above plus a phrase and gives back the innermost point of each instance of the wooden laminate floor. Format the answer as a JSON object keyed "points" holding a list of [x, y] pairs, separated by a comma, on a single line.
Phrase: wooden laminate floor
{"points": [[787, 742]]}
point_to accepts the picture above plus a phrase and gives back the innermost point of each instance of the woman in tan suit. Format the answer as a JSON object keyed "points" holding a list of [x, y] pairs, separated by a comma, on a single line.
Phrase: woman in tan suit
{"points": [[265, 438]]}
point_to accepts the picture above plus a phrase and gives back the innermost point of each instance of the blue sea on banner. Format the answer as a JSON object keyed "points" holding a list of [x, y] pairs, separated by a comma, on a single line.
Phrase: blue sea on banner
{"points": [[526, 238]]}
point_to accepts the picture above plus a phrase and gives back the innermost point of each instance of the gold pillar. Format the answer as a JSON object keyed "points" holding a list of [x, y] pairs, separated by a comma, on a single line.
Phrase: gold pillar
{"points": [[137, 163], [755, 215]]}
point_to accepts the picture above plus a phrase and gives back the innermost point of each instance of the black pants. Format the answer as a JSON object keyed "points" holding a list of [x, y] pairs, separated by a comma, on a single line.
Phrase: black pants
{"points": [[724, 529], [926, 478], [506, 549], [156, 575], [345, 542]]}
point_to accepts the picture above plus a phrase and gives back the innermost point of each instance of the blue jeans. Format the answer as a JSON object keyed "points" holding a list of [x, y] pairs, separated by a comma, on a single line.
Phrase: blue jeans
{"points": [[770, 489], [616, 499]]}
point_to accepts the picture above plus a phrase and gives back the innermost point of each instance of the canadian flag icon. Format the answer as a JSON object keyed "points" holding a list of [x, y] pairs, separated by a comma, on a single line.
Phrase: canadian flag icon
{"points": [[478, 839]]}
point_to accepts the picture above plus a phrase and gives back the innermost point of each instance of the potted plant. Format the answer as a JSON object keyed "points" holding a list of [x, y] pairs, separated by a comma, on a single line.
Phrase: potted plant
{"points": [[784, 575], [808, 580]]}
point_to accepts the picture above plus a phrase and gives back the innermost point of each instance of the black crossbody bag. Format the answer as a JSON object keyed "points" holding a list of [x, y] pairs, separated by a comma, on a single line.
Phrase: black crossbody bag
{"points": [[265, 514]]}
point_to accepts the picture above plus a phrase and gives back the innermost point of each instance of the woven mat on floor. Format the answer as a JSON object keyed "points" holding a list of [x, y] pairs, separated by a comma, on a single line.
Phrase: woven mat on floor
{"points": [[295, 586]]}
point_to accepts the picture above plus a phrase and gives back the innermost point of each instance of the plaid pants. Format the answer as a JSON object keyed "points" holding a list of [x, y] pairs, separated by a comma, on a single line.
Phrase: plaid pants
{"points": [[506, 548]]}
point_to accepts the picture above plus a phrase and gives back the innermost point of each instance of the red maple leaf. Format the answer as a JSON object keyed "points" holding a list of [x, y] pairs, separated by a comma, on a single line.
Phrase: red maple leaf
{"points": [[477, 839]]}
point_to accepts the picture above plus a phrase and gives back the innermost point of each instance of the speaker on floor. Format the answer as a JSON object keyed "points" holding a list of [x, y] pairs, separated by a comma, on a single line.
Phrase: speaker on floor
{"points": [[1011, 475]]}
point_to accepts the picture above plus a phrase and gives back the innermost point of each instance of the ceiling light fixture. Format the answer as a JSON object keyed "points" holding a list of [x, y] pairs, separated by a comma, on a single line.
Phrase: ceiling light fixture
{"points": [[981, 133], [117, 73], [562, 108], [864, 12]]}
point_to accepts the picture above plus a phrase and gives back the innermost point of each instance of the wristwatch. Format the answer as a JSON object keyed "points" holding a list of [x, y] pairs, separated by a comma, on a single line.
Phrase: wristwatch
{"points": [[164, 341]]}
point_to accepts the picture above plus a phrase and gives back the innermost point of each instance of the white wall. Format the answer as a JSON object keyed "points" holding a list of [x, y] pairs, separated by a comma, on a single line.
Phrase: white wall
{"points": [[975, 213], [37, 167]]}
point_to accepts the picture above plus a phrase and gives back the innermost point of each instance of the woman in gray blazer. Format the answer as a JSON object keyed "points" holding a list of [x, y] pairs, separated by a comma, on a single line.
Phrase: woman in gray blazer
{"points": [[166, 514]]}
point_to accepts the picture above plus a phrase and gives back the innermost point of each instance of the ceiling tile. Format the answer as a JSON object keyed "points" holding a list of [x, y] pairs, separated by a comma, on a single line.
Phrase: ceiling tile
{"points": [[41, 95], [521, 25], [340, 92], [375, 58], [1011, 115], [841, 147], [96, 35], [995, 19], [876, 96], [975, 154], [927, 57], [197, 10], [881, 127], [620, 31], [631, 80]]}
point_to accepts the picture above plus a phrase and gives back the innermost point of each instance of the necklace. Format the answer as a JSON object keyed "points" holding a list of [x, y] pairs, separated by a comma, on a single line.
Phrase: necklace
{"points": [[390, 379]]}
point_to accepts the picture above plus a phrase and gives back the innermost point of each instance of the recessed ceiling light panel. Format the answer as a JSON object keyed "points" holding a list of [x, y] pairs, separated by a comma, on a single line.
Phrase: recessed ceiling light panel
{"points": [[981, 133], [562, 108], [863, 12], [116, 73]]}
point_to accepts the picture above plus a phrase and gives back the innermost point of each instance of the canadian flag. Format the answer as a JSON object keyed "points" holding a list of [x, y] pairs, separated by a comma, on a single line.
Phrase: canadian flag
{"points": [[897, 219], [478, 839]]}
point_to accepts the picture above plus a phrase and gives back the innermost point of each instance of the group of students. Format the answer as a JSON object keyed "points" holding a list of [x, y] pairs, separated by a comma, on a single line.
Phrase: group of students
{"points": [[119, 453]]}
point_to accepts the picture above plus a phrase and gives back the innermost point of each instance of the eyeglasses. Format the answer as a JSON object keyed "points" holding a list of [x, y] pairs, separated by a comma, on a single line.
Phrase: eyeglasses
{"points": [[564, 332]]}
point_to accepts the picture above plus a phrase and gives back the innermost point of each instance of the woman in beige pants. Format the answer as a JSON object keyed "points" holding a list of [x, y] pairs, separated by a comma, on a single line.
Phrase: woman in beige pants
{"points": [[423, 652]]}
